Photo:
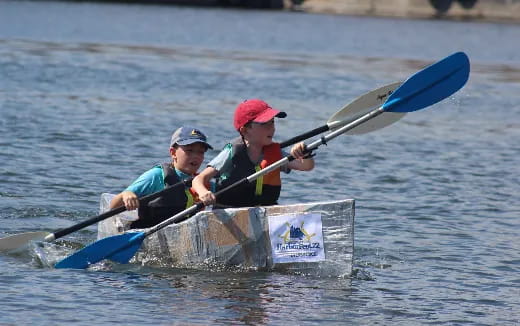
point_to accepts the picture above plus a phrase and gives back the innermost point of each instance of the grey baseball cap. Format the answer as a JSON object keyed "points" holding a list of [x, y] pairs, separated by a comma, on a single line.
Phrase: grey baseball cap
{"points": [[186, 135]]}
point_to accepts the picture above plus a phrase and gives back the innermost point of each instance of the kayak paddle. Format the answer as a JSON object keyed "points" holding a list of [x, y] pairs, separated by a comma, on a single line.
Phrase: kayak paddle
{"points": [[426, 87]]}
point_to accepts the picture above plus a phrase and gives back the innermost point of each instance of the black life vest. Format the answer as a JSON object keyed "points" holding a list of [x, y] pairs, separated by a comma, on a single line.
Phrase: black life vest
{"points": [[266, 189], [165, 206]]}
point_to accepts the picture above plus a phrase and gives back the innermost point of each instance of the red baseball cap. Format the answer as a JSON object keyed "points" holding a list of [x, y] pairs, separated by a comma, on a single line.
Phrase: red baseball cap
{"points": [[254, 110]]}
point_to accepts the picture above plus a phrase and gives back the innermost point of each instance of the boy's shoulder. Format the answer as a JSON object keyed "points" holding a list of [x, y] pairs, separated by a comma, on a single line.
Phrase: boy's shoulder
{"points": [[154, 171]]}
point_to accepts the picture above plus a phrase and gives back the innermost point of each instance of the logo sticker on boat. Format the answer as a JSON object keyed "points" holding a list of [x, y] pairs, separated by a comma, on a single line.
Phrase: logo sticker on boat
{"points": [[296, 238]]}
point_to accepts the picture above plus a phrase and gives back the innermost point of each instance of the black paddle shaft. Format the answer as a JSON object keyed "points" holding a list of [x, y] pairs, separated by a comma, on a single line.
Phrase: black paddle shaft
{"points": [[142, 201], [305, 136]]}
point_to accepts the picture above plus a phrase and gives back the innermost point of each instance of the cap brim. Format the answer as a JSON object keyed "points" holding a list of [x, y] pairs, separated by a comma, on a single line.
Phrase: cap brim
{"points": [[269, 114], [193, 141]]}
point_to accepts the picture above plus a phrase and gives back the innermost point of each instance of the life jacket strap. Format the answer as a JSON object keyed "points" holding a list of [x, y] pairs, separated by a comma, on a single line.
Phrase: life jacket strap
{"points": [[259, 182], [189, 196]]}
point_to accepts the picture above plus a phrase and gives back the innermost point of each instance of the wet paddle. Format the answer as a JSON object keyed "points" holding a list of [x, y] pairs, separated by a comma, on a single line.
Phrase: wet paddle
{"points": [[18, 241], [347, 114], [426, 87]]}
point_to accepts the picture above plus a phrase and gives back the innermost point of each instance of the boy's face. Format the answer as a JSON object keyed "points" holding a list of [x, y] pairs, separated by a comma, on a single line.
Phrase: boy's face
{"points": [[188, 158], [260, 133]]}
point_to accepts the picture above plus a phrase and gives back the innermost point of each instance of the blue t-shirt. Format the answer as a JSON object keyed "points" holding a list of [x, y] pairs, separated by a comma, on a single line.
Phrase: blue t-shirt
{"points": [[152, 181]]}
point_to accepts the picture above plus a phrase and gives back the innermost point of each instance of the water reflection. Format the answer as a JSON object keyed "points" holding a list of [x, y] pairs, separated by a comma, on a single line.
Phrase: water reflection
{"points": [[249, 298]]}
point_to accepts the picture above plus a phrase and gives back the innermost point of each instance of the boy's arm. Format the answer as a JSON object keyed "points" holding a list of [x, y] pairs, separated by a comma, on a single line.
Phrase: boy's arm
{"points": [[126, 198], [199, 185], [149, 182], [300, 163]]}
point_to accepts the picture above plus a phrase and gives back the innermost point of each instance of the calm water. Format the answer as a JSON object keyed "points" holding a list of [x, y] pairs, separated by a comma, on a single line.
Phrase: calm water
{"points": [[90, 93]]}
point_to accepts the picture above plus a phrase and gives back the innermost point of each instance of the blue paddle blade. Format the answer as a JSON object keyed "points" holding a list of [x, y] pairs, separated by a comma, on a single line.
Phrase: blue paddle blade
{"points": [[123, 256], [119, 248], [430, 85]]}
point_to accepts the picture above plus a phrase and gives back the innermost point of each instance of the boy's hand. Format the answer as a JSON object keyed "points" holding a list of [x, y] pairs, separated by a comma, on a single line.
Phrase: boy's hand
{"points": [[298, 151], [208, 198], [130, 200]]}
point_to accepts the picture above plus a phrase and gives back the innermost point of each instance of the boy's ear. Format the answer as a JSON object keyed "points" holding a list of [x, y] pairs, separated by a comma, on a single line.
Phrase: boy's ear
{"points": [[173, 150]]}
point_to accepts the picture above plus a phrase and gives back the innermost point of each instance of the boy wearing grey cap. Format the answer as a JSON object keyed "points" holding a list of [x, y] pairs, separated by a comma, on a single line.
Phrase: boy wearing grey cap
{"points": [[187, 148]]}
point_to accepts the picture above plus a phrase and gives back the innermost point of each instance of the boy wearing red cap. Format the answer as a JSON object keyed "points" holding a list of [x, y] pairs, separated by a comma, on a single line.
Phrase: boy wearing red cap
{"points": [[187, 148], [247, 154]]}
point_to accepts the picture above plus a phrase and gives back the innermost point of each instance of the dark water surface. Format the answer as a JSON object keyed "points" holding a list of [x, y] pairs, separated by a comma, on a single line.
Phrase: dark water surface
{"points": [[89, 96]]}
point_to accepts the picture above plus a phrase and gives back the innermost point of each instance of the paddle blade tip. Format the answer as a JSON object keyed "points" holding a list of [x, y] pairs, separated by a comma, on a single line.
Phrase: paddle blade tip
{"points": [[17, 242], [74, 262], [431, 84]]}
